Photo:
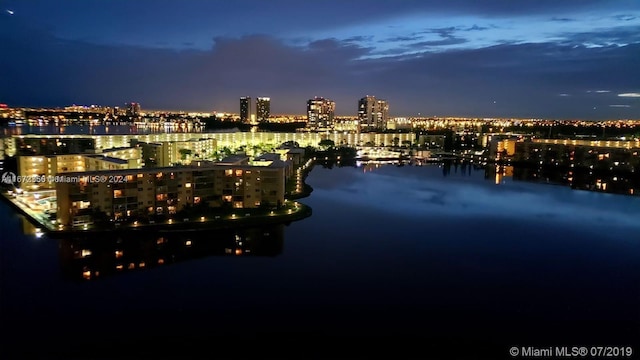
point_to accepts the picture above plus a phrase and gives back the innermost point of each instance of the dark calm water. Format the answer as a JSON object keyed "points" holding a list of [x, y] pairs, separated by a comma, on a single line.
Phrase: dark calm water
{"points": [[393, 258]]}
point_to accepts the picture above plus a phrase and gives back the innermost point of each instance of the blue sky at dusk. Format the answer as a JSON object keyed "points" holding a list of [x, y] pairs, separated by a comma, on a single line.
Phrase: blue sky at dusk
{"points": [[492, 58]]}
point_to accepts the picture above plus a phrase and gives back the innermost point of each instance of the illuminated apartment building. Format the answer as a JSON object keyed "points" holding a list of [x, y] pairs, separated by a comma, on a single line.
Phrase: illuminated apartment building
{"points": [[30, 167], [165, 191], [597, 155], [167, 153], [245, 109], [263, 108], [101, 162], [51, 165], [320, 112], [133, 109], [372, 113]]}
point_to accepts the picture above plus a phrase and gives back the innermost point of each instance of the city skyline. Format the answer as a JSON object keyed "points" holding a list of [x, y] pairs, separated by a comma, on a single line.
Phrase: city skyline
{"points": [[535, 60]]}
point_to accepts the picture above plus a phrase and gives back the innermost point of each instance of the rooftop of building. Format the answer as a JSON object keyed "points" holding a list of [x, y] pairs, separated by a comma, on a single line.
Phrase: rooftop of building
{"points": [[174, 169], [117, 149], [236, 159], [110, 159], [268, 157], [296, 151]]}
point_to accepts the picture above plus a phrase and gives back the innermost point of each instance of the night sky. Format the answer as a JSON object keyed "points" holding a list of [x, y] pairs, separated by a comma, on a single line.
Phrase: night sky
{"points": [[490, 58]]}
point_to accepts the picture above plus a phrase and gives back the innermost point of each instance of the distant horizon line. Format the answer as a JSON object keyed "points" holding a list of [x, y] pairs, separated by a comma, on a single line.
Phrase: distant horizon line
{"points": [[419, 115]]}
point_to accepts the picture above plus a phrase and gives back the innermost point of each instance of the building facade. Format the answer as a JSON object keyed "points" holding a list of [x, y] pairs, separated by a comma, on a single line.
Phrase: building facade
{"points": [[320, 113], [372, 113], [245, 109], [263, 108], [165, 191], [167, 153], [133, 109], [596, 155], [48, 166]]}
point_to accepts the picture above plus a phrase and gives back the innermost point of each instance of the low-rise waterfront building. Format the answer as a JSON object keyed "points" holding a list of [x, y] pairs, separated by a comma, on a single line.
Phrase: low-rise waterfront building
{"points": [[603, 155], [48, 166], [130, 193]]}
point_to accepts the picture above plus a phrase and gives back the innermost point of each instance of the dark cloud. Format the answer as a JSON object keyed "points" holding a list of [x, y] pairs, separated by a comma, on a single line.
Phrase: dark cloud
{"points": [[359, 38], [474, 28], [562, 19], [524, 80], [411, 37], [444, 32], [625, 17], [446, 35], [450, 40], [143, 22], [617, 35]]}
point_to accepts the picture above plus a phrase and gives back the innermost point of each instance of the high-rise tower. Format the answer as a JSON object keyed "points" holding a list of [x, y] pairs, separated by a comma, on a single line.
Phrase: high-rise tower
{"points": [[263, 108], [320, 112], [245, 109], [372, 113]]}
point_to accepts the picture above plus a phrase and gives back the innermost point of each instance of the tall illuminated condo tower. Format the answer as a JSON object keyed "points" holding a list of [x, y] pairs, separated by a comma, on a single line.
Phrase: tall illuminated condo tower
{"points": [[372, 113], [320, 112], [263, 108], [133, 109], [245, 109]]}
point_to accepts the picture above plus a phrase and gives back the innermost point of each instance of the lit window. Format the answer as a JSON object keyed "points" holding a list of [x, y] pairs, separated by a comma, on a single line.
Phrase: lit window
{"points": [[85, 253], [119, 254], [187, 185]]}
